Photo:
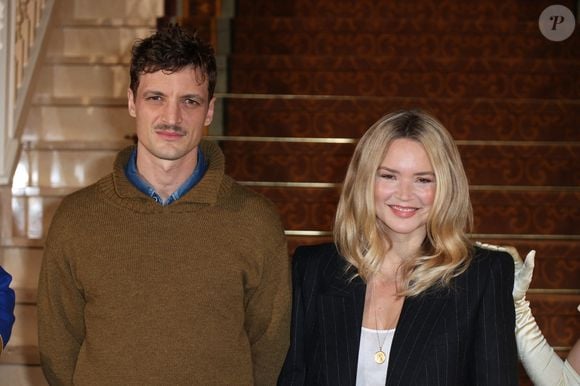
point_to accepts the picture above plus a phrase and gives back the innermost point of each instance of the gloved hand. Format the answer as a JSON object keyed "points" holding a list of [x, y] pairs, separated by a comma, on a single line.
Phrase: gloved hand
{"points": [[543, 366]]}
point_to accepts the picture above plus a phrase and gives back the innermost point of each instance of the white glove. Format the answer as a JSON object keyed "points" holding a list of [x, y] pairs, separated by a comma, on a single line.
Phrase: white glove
{"points": [[543, 366]]}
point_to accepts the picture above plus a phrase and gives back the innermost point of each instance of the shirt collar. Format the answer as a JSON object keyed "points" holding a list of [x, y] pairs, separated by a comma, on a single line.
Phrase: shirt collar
{"points": [[133, 176]]}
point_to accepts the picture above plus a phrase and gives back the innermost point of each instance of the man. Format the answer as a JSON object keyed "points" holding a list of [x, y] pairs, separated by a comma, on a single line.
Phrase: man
{"points": [[6, 308], [165, 272]]}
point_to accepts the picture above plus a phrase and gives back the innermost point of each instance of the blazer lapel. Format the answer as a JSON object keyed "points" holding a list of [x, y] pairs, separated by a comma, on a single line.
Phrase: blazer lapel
{"points": [[416, 325]]}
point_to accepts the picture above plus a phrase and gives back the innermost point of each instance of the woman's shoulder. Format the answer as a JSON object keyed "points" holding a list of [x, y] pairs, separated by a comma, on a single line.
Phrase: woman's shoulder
{"points": [[491, 260], [315, 253], [317, 256]]}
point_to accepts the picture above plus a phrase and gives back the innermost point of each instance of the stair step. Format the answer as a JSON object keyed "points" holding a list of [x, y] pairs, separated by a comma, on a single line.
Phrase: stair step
{"points": [[479, 11], [403, 77], [31, 216], [20, 375], [22, 347], [494, 163], [78, 100], [531, 211], [109, 9], [24, 266], [473, 119], [547, 248], [107, 22], [376, 23], [70, 164], [79, 123], [412, 37], [99, 40], [88, 59], [57, 166], [402, 64], [548, 308], [496, 211], [102, 76], [64, 80]]}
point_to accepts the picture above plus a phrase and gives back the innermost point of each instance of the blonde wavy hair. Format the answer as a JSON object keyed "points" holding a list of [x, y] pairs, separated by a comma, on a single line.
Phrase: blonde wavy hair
{"points": [[361, 237]]}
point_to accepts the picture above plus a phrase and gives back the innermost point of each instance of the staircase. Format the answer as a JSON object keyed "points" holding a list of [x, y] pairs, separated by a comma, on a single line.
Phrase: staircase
{"points": [[308, 78], [77, 122]]}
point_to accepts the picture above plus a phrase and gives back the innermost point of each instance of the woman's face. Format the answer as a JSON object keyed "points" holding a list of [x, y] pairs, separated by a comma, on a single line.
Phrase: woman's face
{"points": [[405, 189]]}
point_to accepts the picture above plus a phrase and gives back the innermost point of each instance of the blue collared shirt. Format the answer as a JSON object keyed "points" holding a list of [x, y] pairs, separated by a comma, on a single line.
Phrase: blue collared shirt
{"points": [[135, 179]]}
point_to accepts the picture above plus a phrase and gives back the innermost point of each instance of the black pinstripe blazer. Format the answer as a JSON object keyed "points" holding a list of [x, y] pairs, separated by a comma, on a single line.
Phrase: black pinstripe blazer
{"points": [[458, 336]]}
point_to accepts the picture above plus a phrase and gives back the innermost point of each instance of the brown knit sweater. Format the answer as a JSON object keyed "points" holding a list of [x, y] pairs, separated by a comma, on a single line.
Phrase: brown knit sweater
{"points": [[193, 293]]}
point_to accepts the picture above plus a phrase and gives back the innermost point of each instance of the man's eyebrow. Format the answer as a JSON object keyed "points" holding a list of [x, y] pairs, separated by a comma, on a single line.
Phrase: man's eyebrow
{"points": [[152, 92]]}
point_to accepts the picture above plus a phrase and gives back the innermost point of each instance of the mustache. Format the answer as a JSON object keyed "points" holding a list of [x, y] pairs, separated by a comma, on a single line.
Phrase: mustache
{"points": [[165, 127]]}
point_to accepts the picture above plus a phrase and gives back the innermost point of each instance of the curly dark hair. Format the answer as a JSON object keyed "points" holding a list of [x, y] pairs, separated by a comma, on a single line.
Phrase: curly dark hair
{"points": [[171, 49]]}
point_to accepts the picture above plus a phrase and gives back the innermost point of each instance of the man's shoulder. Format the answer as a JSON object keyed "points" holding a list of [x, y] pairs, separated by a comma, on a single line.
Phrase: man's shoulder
{"points": [[74, 206], [243, 194], [84, 194]]}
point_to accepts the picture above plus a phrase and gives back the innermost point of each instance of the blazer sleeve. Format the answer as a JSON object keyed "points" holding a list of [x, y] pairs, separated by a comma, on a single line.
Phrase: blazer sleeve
{"points": [[494, 353], [294, 369]]}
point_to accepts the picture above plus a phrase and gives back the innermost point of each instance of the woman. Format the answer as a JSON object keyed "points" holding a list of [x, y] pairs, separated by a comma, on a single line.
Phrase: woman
{"points": [[402, 297], [6, 308]]}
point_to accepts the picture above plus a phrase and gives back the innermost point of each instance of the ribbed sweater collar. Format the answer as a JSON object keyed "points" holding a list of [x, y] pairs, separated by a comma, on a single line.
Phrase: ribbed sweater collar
{"points": [[120, 190]]}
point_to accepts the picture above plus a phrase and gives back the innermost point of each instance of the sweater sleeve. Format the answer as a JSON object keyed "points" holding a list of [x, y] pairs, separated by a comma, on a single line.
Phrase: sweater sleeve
{"points": [[294, 369], [494, 351], [6, 308], [60, 306], [268, 308]]}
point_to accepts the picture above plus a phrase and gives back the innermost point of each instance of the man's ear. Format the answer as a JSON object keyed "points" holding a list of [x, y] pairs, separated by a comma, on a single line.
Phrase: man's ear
{"points": [[210, 110], [131, 103]]}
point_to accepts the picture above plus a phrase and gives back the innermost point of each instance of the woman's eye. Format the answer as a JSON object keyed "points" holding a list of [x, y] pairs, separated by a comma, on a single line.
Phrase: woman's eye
{"points": [[424, 180]]}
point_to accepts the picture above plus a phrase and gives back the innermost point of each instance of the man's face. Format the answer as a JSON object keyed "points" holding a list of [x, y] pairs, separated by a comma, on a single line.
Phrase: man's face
{"points": [[171, 110]]}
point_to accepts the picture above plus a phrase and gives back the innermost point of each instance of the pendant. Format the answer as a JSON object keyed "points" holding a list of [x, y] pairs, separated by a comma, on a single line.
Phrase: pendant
{"points": [[380, 357]]}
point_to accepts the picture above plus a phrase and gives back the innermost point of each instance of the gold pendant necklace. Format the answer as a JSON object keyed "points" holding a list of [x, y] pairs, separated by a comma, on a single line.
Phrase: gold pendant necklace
{"points": [[380, 355]]}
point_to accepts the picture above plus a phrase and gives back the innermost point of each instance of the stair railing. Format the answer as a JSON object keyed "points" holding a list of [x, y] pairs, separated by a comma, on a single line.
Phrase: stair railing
{"points": [[23, 27]]}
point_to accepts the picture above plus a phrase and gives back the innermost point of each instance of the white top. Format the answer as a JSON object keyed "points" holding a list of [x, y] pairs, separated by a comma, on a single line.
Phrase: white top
{"points": [[369, 372]]}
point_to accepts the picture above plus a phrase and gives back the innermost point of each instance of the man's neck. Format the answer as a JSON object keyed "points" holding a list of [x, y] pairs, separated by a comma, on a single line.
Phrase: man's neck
{"points": [[166, 176]]}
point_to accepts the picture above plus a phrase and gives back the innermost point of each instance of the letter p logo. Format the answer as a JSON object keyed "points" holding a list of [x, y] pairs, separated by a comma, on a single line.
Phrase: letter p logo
{"points": [[557, 23]]}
